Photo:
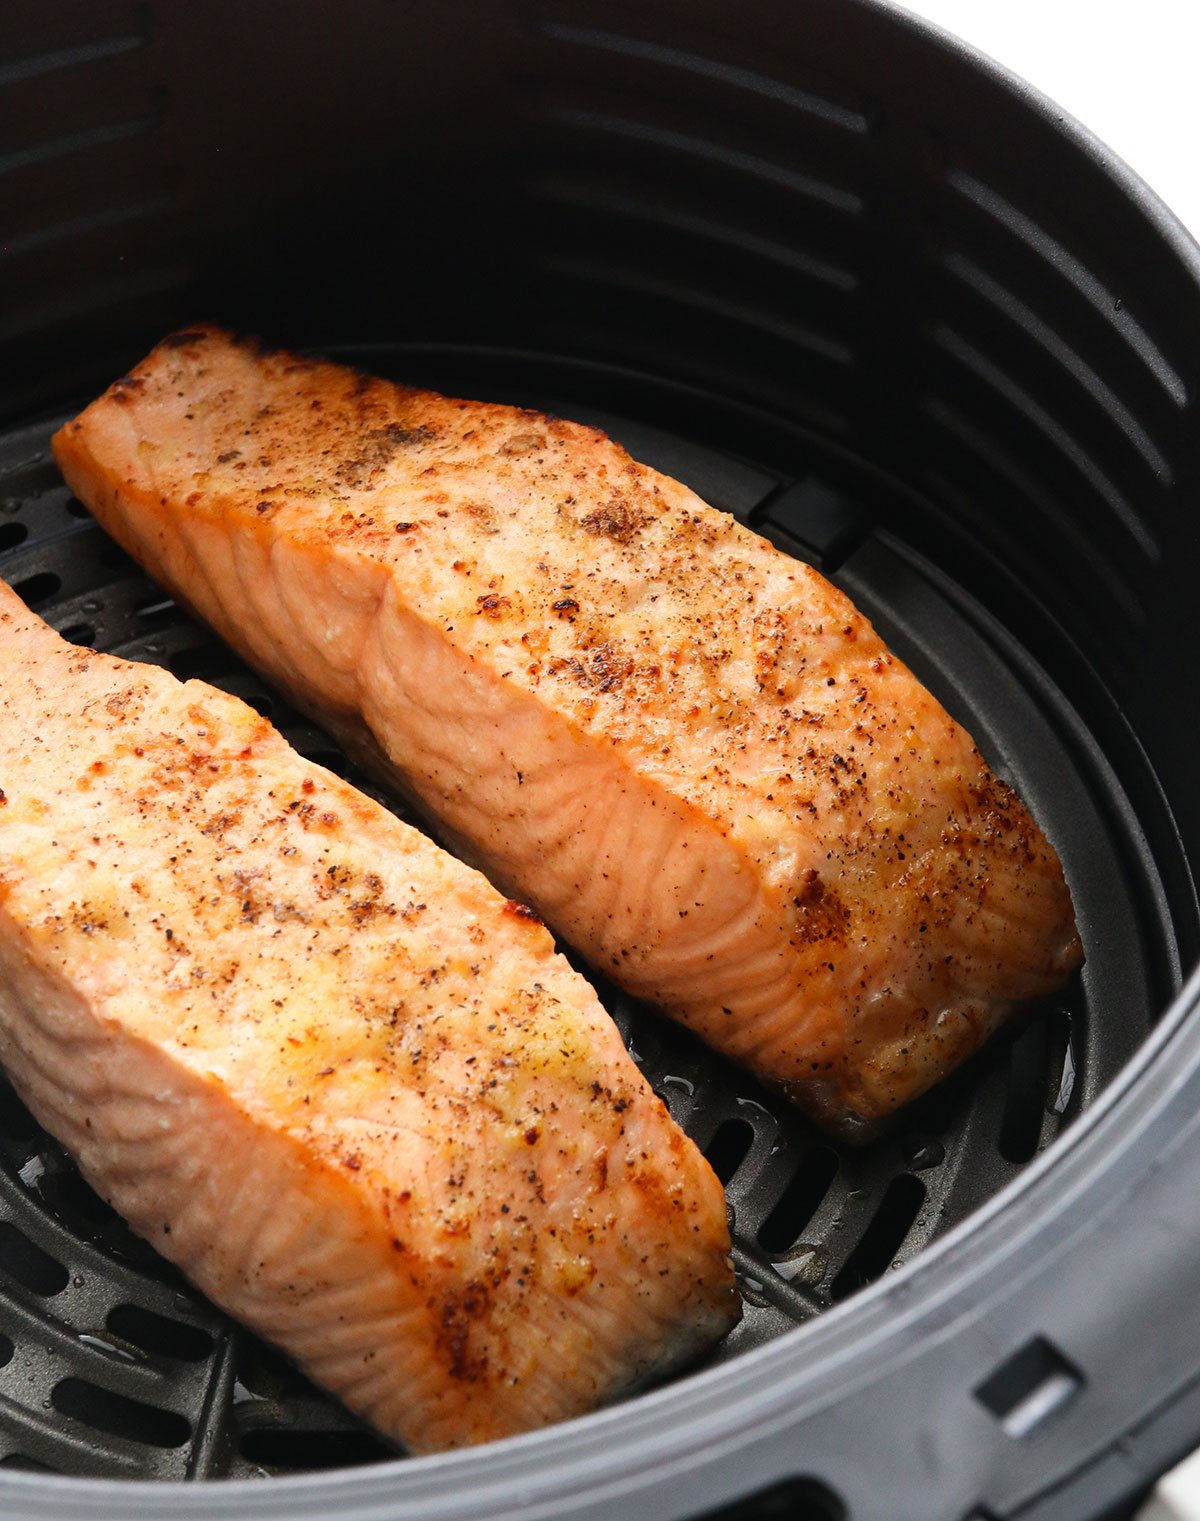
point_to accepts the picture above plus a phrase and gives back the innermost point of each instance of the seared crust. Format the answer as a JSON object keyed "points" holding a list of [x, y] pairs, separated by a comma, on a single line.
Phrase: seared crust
{"points": [[324, 1067], [687, 749]]}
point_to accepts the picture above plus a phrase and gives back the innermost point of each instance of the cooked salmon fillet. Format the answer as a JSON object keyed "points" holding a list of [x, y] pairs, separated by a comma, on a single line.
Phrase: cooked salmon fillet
{"points": [[688, 750], [326, 1068]]}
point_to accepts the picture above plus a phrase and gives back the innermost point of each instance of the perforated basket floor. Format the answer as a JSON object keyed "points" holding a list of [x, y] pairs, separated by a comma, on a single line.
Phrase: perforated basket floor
{"points": [[113, 1366]]}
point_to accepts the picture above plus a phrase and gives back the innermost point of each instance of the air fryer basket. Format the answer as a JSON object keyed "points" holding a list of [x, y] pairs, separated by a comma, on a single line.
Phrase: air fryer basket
{"points": [[862, 290]]}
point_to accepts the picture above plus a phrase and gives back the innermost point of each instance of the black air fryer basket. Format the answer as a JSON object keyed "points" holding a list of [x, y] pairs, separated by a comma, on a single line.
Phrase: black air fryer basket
{"points": [[876, 298]]}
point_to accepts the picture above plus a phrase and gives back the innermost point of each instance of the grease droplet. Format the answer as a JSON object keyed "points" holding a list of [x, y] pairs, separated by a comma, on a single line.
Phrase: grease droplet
{"points": [[921, 1155], [803, 1263]]}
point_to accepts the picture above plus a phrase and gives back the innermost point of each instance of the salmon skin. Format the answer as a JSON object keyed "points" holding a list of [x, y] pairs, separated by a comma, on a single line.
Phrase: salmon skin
{"points": [[326, 1068], [688, 750]]}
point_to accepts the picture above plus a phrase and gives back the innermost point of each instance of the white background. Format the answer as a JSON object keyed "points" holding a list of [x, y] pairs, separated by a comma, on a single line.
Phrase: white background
{"points": [[1129, 70]]}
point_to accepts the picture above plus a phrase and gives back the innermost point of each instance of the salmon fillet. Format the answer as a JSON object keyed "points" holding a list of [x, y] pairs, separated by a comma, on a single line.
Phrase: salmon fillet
{"points": [[688, 750], [326, 1068]]}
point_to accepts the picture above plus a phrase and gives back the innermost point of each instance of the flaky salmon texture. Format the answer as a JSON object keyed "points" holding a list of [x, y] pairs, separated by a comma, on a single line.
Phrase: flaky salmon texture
{"points": [[326, 1068], [689, 751]]}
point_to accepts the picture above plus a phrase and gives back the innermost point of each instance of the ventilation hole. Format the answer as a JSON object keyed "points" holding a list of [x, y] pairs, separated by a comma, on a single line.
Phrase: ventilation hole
{"points": [[36, 591], [793, 1500], [675, 1091], [942, 1106], [1025, 1096], [6, 1350], [83, 1199], [246, 689], [117, 1415], [12, 534], [1061, 1069], [155, 612], [207, 660], [108, 554], [259, 701], [884, 1237], [330, 759], [15, 1120], [89, 1216], [79, 633], [29, 1465], [1027, 1389], [799, 1200], [160, 1335], [267, 1374], [76, 508], [312, 1449], [35, 1269], [728, 1148]]}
